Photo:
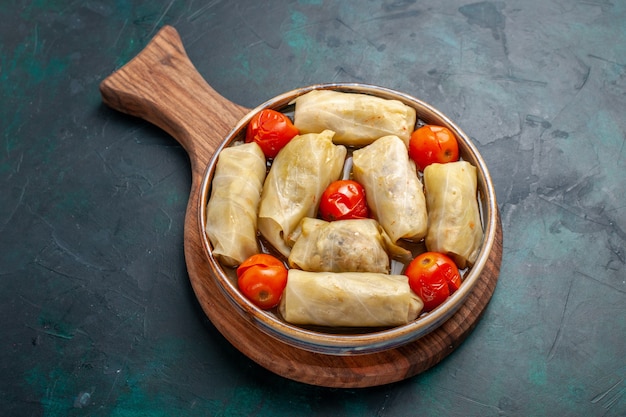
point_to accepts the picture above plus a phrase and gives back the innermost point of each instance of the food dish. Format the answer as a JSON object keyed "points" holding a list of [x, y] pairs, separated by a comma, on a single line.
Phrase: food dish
{"points": [[338, 341]]}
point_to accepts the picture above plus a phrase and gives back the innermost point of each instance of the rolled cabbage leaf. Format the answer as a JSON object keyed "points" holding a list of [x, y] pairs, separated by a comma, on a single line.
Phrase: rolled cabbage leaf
{"points": [[299, 175], [231, 213], [348, 299], [454, 223], [355, 245], [393, 190], [357, 119]]}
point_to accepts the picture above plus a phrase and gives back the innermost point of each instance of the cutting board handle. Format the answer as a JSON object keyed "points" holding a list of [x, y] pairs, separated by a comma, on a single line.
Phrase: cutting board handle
{"points": [[162, 86]]}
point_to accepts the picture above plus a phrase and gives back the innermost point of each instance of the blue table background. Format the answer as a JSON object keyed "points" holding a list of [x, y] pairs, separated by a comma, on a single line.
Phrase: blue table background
{"points": [[98, 317]]}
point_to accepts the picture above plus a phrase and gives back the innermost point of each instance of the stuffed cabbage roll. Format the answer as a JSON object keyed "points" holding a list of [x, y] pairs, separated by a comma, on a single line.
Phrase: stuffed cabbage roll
{"points": [[393, 190], [356, 245], [231, 223], [293, 187], [348, 299], [357, 119], [454, 219]]}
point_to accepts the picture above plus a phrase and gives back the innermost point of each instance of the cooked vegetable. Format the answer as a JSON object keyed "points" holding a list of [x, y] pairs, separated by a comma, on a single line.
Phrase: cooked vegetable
{"points": [[299, 175], [433, 277], [394, 193], [262, 279], [348, 299], [355, 245], [357, 119], [271, 130], [231, 223], [430, 144], [340, 259], [454, 225], [343, 200]]}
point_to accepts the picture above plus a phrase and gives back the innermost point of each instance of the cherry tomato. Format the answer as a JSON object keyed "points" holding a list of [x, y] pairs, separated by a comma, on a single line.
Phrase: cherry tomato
{"points": [[262, 279], [430, 144], [271, 130], [433, 277], [343, 200]]}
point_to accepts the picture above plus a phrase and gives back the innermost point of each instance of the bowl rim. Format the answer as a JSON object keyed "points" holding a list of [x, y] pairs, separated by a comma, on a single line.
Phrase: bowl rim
{"points": [[377, 340]]}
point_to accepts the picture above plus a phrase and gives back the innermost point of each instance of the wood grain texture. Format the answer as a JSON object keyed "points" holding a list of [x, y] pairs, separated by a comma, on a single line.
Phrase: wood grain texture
{"points": [[162, 86]]}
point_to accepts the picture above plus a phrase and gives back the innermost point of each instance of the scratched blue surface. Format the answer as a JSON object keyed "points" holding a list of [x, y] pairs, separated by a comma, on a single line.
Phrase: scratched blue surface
{"points": [[98, 315]]}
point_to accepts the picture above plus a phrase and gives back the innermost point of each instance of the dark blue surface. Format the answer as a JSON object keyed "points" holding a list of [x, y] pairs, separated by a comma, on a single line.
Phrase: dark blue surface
{"points": [[99, 318]]}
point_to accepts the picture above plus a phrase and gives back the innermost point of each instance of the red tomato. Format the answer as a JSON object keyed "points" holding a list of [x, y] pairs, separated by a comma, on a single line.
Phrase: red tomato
{"points": [[433, 277], [430, 144], [271, 130], [262, 279], [343, 200]]}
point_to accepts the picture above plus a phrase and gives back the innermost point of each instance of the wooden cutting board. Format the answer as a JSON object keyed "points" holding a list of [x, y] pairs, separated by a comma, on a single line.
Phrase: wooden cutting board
{"points": [[162, 86]]}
